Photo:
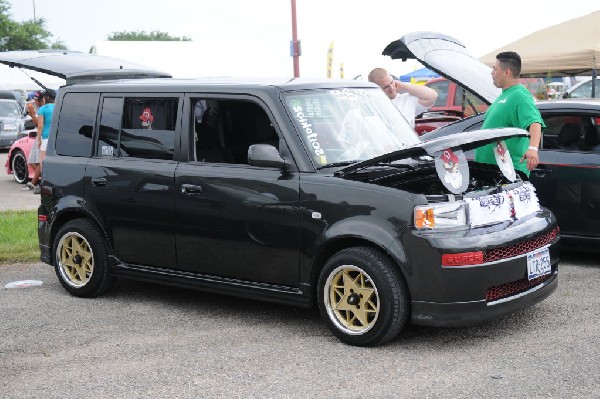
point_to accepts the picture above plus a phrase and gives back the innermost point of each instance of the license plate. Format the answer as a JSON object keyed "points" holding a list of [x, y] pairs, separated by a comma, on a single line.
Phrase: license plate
{"points": [[538, 263]]}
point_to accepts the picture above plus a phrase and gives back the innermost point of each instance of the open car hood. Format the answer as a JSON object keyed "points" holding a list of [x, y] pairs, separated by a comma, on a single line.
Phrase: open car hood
{"points": [[465, 140], [448, 57], [77, 67]]}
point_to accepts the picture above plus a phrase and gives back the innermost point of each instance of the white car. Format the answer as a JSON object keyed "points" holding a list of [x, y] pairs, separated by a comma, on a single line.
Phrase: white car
{"points": [[583, 89]]}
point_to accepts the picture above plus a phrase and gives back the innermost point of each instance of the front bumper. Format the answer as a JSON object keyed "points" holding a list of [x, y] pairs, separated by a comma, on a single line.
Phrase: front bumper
{"points": [[458, 314], [462, 295]]}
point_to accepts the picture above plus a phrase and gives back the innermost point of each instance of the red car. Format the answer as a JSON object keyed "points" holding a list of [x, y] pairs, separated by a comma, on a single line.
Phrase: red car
{"points": [[16, 164], [455, 103]]}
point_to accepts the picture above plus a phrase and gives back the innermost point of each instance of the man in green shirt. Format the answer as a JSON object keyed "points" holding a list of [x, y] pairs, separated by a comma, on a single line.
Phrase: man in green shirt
{"points": [[515, 107]]}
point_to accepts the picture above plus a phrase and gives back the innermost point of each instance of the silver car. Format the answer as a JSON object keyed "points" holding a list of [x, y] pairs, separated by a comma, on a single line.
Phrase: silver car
{"points": [[12, 122]]}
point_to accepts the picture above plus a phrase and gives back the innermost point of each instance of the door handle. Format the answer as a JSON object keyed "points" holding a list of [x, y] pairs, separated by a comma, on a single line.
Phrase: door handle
{"points": [[190, 189], [99, 182]]}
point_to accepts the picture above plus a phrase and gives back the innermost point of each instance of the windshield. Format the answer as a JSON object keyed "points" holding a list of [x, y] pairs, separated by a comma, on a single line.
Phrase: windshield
{"points": [[341, 126], [9, 109]]}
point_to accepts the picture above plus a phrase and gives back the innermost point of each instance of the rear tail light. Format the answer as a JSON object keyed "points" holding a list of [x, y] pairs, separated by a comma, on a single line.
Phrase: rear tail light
{"points": [[42, 218]]}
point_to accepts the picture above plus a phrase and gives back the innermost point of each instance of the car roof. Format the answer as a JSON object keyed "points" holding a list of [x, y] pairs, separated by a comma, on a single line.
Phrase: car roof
{"points": [[570, 103], [213, 84]]}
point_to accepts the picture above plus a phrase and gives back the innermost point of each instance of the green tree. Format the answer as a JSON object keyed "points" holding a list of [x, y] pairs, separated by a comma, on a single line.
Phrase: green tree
{"points": [[26, 35], [145, 36]]}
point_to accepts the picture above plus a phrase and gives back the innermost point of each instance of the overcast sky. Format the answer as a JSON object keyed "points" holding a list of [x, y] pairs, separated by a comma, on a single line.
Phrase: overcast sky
{"points": [[251, 37]]}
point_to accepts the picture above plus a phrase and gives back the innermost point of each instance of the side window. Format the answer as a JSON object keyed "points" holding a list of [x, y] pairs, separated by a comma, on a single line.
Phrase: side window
{"points": [[223, 130], [75, 124], [564, 132], [441, 88], [570, 132], [470, 103], [110, 125], [591, 135], [148, 128], [583, 91]]}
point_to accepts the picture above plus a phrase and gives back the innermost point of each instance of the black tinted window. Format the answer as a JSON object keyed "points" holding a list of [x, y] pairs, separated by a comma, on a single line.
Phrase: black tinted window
{"points": [[571, 132], [148, 128], [225, 129], [75, 124]]}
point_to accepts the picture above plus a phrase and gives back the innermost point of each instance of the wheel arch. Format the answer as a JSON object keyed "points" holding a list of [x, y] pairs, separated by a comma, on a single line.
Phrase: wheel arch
{"points": [[337, 244], [68, 215]]}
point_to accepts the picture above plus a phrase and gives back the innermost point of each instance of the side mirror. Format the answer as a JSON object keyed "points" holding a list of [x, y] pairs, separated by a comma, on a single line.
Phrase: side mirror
{"points": [[265, 155], [565, 95]]}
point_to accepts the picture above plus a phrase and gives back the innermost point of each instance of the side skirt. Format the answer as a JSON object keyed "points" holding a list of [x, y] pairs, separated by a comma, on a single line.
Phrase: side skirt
{"points": [[294, 296]]}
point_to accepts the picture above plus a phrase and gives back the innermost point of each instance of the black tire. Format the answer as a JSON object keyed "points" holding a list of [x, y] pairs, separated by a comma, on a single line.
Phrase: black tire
{"points": [[81, 259], [362, 297], [19, 167]]}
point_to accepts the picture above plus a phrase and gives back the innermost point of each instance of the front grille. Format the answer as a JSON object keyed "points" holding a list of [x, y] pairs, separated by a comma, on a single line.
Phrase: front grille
{"points": [[510, 251], [509, 289]]}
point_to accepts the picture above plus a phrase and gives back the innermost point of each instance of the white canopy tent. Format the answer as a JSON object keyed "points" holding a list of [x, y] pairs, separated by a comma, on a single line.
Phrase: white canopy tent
{"points": [[570, 48]]}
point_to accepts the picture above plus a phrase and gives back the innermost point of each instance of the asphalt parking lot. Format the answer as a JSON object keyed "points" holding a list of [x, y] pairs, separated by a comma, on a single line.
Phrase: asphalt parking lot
{"points": [[11, 195], [143, 340]]}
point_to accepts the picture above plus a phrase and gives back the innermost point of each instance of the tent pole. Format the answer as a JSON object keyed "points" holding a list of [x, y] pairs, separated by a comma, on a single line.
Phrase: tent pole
{"points": [[594, 83]]}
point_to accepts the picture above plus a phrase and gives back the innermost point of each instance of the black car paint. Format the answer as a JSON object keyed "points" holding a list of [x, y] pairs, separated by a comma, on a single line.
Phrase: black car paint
{"points": [[558, 172], [306, 216]]}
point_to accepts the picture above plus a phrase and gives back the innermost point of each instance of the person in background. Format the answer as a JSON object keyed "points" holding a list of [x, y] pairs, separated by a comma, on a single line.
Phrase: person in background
{"points": [[44, 121], [34, 155], [411, 100], [514, 107]]}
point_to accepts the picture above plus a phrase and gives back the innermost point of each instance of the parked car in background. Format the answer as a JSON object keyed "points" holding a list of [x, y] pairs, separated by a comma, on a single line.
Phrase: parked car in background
{"points": [[13, 95], [454, 102], [583, 89], [567, 180], [12, 122], [16, 162], [293, 191]]}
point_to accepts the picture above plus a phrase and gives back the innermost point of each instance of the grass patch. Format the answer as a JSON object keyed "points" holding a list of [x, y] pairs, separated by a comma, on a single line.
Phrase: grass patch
{"points": [[18, 236]]}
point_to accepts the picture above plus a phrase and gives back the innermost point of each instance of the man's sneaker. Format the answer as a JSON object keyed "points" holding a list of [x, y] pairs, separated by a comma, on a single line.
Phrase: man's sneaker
{"points": [[37, 189], [28, 186]]}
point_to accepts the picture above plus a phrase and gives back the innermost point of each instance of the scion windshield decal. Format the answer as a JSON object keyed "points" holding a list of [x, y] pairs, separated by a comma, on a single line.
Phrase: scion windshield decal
{"points": [[348, 125]]}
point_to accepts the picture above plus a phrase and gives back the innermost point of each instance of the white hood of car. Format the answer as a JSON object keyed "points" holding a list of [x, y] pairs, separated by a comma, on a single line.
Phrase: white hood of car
{"points": [[448, 57]]}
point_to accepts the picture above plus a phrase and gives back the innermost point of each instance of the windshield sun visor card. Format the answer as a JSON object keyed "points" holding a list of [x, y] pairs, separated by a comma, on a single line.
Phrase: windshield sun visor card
{"points": [[504, 160], [452, 169]]}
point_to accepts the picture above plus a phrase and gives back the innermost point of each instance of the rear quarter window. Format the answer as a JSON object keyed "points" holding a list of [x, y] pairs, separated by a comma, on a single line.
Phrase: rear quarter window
{"points": [[75, 124]]}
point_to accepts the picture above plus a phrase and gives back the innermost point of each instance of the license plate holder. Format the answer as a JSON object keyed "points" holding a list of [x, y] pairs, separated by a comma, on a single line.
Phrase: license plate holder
{"points": [[538, 263]]}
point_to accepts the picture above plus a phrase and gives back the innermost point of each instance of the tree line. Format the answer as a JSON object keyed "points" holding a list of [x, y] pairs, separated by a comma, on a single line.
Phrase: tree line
{"points": [[33, 34]]}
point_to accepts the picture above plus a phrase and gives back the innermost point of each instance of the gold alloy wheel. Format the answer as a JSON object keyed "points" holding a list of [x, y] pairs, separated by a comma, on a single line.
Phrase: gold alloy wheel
{"points": [[351, 299], [75, 259]]}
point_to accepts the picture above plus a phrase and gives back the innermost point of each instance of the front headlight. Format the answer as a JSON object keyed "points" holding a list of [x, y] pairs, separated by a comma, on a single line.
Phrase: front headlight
{"points": [[441, 216], [10, 127]]}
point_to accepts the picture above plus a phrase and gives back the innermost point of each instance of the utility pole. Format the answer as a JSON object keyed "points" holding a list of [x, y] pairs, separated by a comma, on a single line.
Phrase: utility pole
{"points": [[34, 18], [295, 44]]}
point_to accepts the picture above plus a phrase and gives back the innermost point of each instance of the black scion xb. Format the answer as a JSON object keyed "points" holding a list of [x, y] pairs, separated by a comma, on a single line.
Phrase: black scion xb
{"points": [[298, 192]]}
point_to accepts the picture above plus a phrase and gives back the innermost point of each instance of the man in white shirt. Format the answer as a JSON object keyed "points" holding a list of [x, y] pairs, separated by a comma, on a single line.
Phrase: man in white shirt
{"points": [[411, 100]]}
